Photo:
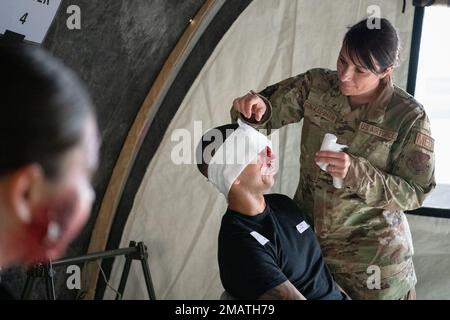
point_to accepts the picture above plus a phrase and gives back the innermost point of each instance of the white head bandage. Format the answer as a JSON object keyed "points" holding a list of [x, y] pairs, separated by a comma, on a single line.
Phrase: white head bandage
{"points": [[238, 150]]}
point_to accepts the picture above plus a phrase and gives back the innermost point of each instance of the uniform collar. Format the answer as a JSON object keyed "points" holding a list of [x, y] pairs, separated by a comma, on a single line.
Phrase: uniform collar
{"points": [[377, 108]]}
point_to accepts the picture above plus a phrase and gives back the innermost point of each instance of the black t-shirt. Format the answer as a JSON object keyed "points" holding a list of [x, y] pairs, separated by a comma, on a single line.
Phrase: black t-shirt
{"points": [[258, 253], [5, 294]]}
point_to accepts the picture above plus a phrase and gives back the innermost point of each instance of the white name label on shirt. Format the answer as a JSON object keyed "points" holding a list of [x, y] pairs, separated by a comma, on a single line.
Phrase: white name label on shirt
{"points": [[261, 239], [301, 227]]}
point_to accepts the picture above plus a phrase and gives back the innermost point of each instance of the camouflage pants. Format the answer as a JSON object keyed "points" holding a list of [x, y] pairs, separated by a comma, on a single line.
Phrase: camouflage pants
{"points": [[398, 286]]}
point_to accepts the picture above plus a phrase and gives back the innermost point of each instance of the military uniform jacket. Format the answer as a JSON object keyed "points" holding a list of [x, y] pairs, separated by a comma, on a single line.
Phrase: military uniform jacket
{"points": [[361, 227]]}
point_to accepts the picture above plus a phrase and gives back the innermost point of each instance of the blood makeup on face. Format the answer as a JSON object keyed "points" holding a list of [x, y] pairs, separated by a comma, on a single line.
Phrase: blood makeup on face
{"points": [[55, 225], [267, 161], [46, 232]]}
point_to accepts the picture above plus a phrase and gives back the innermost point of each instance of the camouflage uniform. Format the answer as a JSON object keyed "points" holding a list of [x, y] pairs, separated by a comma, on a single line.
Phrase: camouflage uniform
{"points": [[361, 226]]}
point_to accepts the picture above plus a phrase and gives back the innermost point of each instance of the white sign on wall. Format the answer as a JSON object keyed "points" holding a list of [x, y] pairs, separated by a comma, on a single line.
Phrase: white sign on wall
{"points": [[32, 18]]}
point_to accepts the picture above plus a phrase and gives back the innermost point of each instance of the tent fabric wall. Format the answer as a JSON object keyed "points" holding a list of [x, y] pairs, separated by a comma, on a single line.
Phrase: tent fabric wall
{"points": [[172, 100], [176, 211]]}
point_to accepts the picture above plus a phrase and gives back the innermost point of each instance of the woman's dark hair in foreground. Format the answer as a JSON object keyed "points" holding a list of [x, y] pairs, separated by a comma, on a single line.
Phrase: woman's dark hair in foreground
{"points": [[43, 109]]}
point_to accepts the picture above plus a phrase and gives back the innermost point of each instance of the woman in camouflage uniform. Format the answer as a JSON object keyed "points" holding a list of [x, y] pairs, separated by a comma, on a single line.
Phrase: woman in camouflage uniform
{"points": [[387, 168]]}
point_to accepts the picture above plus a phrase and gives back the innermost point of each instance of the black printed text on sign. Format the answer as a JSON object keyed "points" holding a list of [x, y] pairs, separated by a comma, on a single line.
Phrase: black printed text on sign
{"points": [[32, 18]]}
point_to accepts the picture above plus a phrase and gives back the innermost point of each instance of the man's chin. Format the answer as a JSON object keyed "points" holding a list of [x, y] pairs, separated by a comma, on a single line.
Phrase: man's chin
{"points": [[268, 180]]}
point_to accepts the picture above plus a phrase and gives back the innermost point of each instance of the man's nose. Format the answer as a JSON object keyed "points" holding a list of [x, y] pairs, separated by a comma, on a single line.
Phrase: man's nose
{"points": [[272, 160]]}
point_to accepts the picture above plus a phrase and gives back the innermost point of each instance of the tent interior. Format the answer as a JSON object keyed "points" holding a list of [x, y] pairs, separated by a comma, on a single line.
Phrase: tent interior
{"points": [[162, 70]]}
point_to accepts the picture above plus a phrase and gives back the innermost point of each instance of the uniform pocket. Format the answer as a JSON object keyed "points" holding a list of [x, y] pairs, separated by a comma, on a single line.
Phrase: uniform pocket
{"points": [[375, 149], [378, 151]]}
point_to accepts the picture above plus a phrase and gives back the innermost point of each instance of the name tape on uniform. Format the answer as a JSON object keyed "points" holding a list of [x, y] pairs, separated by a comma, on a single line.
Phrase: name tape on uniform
{"points": [[261, 239], [322, 112], [302, 227], [377, 131], [424, 141]]}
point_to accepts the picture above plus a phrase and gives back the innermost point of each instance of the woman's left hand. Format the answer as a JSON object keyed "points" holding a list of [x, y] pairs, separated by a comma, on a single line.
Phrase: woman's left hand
{"points": [[338, 162]]}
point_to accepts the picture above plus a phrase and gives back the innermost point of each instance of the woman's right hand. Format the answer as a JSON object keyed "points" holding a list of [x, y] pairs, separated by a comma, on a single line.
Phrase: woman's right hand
{"points": [[249, 105]]}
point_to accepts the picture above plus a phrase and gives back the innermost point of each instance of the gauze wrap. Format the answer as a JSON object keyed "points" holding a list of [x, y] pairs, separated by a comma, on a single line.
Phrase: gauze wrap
{"points": [[329, 143], [237, 151]]}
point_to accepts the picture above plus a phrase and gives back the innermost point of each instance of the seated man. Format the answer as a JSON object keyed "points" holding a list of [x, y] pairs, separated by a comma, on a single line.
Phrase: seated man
{"points": [[266, 248]]}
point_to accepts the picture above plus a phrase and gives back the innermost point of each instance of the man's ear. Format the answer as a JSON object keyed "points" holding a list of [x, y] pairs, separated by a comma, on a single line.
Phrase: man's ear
{"points": [[24, 191]]}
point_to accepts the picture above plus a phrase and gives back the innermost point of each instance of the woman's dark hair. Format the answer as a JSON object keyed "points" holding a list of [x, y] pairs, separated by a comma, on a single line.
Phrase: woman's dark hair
{"points": [[370, 45], [212, 140], [43, 109]]}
